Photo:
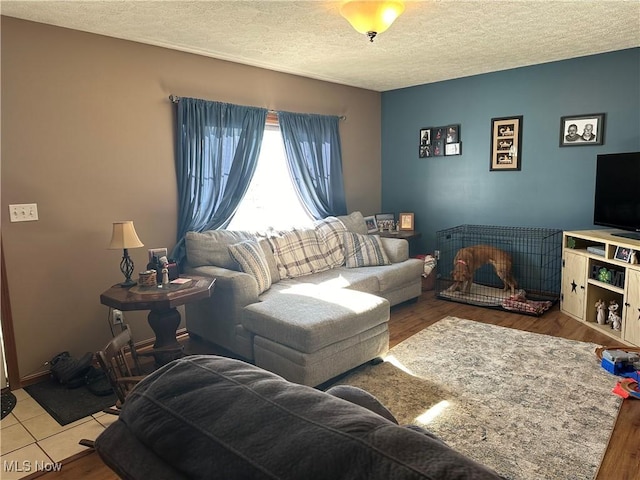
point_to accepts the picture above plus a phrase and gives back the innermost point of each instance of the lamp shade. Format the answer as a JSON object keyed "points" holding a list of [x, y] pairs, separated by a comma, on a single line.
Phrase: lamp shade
{"points": [[371, 17], [124, 236]]}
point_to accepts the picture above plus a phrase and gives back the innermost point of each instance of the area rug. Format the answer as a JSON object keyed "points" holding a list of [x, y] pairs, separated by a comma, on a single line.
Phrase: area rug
{"points": [[68, 405], [529, 406]]}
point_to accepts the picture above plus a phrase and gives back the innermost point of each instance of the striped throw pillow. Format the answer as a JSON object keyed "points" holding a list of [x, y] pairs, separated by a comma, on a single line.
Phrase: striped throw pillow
{"points": [[330, 232], [364, 251], [298, 253], [251, 259]]}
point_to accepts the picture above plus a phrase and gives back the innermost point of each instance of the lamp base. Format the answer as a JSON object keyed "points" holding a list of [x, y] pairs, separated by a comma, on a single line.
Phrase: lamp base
{"points": [[128, 283]]}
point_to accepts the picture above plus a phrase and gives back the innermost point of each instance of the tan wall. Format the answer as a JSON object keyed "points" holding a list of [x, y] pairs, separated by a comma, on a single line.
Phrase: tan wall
{"points": [[87, 134]]}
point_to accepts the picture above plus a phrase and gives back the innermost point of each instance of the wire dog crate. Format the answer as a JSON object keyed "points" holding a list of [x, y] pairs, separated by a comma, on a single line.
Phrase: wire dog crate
{"points": [[536, 255]]}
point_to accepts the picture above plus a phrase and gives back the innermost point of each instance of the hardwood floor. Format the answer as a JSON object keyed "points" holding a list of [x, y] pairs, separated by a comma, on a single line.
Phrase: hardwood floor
{"points": [[622, 458]]}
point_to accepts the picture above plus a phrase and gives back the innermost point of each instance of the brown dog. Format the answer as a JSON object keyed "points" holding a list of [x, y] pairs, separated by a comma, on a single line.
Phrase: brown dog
{"points": [[469, 259]]}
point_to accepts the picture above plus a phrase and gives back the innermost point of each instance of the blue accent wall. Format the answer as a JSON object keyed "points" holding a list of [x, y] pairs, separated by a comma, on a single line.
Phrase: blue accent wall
{"points": [[555, 186]]}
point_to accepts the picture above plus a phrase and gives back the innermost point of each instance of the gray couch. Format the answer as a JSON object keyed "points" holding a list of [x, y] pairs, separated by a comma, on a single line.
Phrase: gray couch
{"points": [[309, 326], [208, 417]]}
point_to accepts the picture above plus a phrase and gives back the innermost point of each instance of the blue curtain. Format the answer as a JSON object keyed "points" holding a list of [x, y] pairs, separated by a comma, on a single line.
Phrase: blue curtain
{"points": [[217, 152], [314, 156]]}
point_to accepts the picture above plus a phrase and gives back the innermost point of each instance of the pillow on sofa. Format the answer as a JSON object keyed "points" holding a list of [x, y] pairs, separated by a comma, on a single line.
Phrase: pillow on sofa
{"points": [[251, 259], [211, 247], [298, 253], [354, 222], [271, 259], [331, 232], [364, 251]]}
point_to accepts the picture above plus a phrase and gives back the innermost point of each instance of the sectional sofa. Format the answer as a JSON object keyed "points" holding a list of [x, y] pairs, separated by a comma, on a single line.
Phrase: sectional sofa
{"points": [[306, 304]]}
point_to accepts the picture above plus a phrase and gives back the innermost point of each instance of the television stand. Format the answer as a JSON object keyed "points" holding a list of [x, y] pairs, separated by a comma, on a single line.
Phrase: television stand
{"points": [[631, 235], [589, 276]]}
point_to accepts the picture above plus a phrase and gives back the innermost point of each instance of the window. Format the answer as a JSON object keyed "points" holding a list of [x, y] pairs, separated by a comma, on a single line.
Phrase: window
{"points": [[271, 200]]}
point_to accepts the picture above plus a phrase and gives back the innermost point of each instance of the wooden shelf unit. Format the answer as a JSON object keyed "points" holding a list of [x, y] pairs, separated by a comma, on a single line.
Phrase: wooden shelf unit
{"points": [[581, 288]]}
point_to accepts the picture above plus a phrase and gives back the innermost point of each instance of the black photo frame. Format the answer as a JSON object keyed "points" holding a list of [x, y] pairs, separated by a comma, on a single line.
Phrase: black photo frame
{"points": [[385, 221], [425, 143], [506, 143], [440, 141], [582, 130]]}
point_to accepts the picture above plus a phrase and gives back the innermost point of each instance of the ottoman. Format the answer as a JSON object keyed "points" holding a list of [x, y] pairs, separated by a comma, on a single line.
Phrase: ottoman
{"points": [[309, 334]]}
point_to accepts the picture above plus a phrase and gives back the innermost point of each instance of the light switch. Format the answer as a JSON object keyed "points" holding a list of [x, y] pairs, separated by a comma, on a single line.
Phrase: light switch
{"points": [[24, 212]]}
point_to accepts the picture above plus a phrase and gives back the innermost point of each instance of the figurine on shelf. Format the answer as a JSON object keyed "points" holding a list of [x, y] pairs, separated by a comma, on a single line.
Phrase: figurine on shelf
{"points": [[601, 317], [614, 318]]}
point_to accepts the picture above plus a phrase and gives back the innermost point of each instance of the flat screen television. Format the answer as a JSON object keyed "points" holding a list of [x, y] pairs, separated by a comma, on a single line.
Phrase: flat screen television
{"points": [[617, 197]]}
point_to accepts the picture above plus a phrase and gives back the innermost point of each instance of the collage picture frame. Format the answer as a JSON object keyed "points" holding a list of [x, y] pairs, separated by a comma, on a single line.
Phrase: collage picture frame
{"points": [[440, 141], [506, 143]]}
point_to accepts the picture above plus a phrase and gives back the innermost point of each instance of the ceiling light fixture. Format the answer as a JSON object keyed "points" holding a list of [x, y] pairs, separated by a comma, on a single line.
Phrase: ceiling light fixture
{"points": [[371, 17]]}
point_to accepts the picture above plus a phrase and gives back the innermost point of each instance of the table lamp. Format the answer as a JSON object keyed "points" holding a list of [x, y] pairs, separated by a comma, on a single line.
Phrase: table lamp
{"points": [[124, 236]]}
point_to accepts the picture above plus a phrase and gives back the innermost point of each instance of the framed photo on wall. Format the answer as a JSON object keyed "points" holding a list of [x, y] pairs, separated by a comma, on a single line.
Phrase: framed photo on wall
{"points": [[452, 149], [425, 143], [582, 130], [439, 141], [453, 134], [438, 137], [452, 144], [506, 143]]}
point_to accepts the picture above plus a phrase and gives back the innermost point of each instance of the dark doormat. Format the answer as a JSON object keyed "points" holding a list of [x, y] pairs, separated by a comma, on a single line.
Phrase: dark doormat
{"points": [[8, 402], [67, 405]]}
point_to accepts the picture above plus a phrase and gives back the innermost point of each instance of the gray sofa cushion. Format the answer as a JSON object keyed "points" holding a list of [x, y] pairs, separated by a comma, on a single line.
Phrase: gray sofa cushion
{"points": [[395, 275], [354, 222], [211, 247], [308, 318], [212, 417], [353, 278]]}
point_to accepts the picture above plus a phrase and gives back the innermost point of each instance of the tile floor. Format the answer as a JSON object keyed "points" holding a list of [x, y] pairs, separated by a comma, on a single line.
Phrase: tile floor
{"points": [[31, 440]]}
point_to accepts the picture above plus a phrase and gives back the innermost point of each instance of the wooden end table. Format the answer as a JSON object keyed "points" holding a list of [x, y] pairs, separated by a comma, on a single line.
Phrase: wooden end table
{"points": [[406, 234], [162, 301], [409, 235]]}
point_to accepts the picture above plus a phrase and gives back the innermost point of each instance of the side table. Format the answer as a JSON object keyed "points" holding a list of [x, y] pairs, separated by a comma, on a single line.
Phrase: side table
{"points": [[406, 234], [162, 301], [409, 235]]}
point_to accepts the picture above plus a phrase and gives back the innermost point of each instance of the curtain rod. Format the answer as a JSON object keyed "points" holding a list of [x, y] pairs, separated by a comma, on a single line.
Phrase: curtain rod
{"points": [[176, 99]]}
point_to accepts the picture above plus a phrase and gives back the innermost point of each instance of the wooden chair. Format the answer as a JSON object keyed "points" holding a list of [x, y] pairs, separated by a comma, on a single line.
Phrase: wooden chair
{"points": [[120, 362]]}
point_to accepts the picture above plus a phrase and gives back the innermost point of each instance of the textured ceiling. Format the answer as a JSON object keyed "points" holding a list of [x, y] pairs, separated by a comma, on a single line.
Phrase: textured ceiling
{"points": [[433, 40]]}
